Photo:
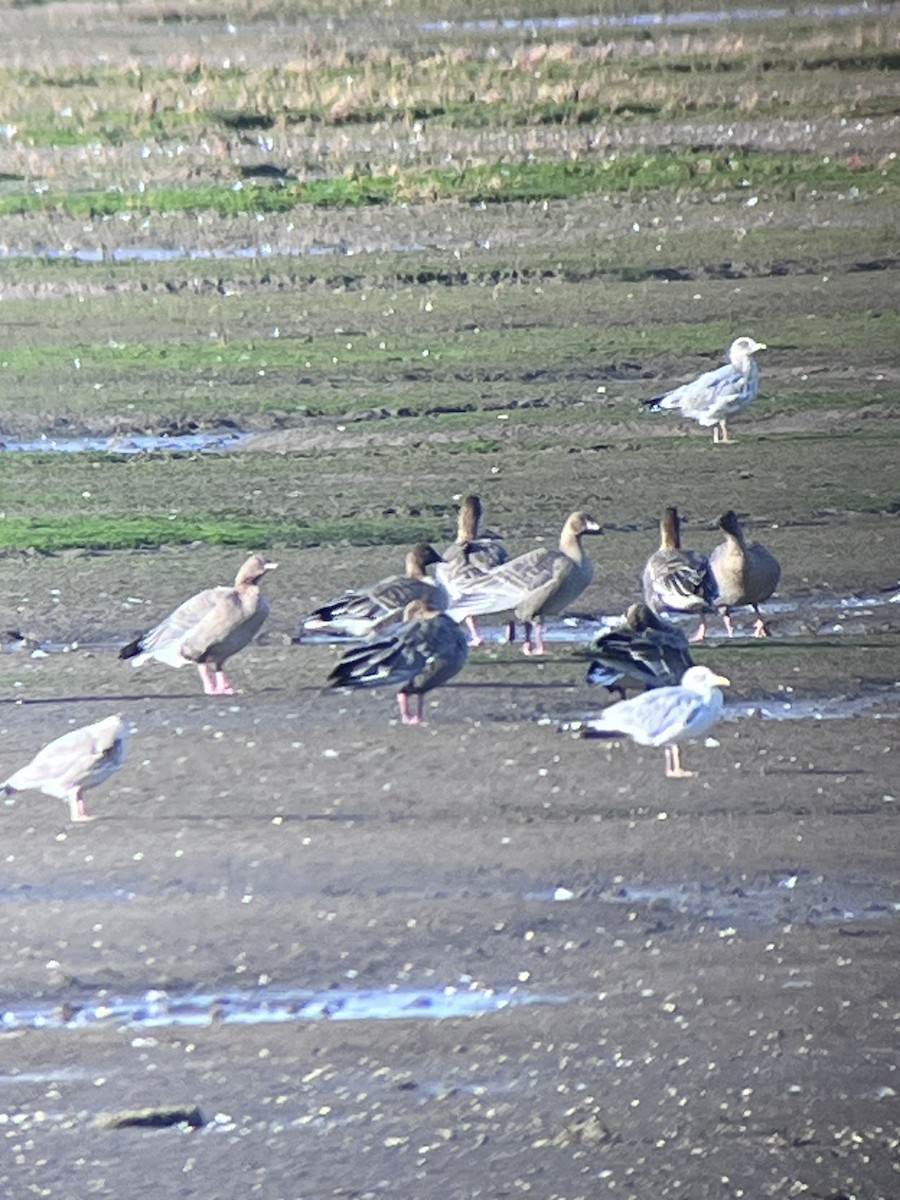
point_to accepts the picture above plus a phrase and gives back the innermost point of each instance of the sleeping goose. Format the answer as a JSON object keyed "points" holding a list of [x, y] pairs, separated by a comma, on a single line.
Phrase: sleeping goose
{"points": [[74, 763], [745, 574], [427, 650], [469, 557], [361, 612], [666, 715], [643, 650], [716, 395], [678, 580], [536, 584], [209, 628]]}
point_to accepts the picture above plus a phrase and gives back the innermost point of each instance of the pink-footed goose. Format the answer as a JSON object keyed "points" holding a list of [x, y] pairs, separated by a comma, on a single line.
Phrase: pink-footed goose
{"points": [[469, 557], [746, 573], [539, 583], [642, 651], [422, 653], [74, 763], [678, 580], [209, 628]]}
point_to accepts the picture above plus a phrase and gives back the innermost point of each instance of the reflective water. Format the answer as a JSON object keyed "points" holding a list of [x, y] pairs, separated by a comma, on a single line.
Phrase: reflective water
{"points": [[131, 443], [93, 254], [157, 1008]]}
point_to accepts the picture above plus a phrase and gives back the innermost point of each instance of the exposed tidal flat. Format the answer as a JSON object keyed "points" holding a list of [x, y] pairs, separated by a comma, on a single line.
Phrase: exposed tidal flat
{"points": [[369, 259]]}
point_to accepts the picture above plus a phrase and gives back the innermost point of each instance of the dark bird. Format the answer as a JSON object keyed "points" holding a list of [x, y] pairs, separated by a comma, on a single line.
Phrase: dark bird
{"points": [[643, 651], [745, 574]]}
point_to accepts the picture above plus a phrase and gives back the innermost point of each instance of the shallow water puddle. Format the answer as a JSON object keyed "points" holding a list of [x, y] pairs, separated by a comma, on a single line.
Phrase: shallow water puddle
{"points": [[265, 1006], [195, 253], [132, 443]]}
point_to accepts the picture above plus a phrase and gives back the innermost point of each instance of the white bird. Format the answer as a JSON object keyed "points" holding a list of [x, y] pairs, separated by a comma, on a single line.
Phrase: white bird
{"points": [[423, 653], [536, 584], [746, 573], [678, 580], [714, 396], [468, 558], [74, 763], [364, 610], [666, 715], [209, 628]]}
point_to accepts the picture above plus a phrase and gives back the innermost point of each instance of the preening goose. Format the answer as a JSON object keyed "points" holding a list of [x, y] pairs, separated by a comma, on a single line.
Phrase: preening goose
{"points": [[643, 650], [745, 574], [714, 396], [74, 763], [534, 585], [469, 557], [666, 715], [678, 580], [209, 628], [422, 653], [363, 611]]}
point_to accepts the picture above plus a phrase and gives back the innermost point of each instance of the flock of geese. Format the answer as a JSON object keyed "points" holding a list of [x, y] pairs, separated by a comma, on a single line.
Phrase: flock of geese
{"points": [[416, 628]]}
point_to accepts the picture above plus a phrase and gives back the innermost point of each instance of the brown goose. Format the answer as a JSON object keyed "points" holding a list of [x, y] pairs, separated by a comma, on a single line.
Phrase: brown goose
{"points": [[423, 653], [745, 574], [536, 584], [469, 557], [74, 763], [359, 613], [643, 650], [209, 628], [714, 396], [678, 580]]}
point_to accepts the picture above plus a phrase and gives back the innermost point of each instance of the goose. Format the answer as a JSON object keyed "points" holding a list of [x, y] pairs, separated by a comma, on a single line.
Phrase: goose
{"points": [[678, 580], [422, 653], [643, 650], [714, 396], [666, 715], [536, 584], [209, 628], [366, 610], [74, 763], [468, 558], [745, 574]]}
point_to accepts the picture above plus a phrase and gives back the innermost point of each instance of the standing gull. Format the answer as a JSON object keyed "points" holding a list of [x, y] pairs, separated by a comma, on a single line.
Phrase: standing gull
{"points": [[666, 716], [209, 628], [536, 584], [74, 763], [714, 396], [643, 650], [469, 557], [363, 611], [423, 653], [745, 574], [678, 580]]}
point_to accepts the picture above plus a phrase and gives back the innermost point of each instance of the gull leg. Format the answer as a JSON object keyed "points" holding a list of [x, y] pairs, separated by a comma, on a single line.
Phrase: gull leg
{"points": [[674, 769], [76, 807], [475, 638]]}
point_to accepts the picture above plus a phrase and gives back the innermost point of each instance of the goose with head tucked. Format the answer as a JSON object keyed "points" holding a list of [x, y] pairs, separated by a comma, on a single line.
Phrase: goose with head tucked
{"points": [[534, 585], [642, 651], [746, 574], [362, 611], [209, 628], [468, 558], [716, 395], [72, 764], [678, 580], [424, 652]]}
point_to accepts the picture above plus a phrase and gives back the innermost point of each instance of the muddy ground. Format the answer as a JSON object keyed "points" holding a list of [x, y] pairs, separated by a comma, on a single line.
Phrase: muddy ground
{"points": [[688, 987]]}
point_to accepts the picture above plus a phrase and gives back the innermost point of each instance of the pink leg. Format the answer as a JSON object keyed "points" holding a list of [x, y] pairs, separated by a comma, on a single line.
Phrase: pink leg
{"points": [[674, 769], [760, 629], [76, 807], [406, 716], [726, 621], [534, 639], [475, 638], [700, 632], [207, 678], [223, 685]]}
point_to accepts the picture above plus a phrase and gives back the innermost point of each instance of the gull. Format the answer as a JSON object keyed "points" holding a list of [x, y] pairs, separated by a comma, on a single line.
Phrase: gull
{"points": [[642, 650], [536, 584], [365, 610], [714, 396], [422, 653], [74, 763], [666, 715], [678, 580], [745, 574], [209, 628], [468, 558]]}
